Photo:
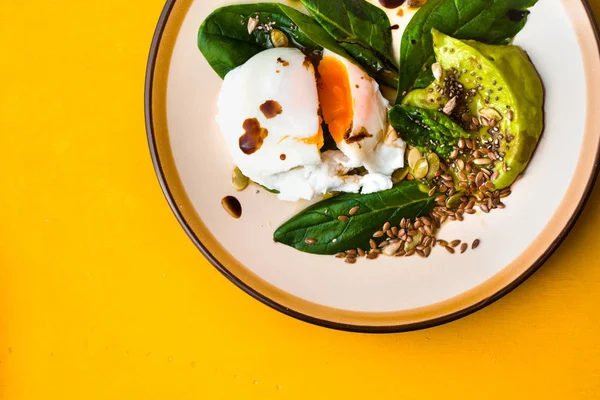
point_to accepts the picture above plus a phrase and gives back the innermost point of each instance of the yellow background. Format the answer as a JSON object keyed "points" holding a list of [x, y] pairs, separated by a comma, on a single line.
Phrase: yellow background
{"points": [[102, 295]]}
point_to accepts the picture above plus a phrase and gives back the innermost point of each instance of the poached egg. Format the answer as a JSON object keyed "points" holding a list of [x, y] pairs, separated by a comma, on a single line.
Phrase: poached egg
{"points": [[271, 110]]}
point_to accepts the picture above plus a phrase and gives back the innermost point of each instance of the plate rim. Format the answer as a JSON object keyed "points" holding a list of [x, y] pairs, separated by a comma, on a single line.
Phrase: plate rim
{"points": [[425, 324]]}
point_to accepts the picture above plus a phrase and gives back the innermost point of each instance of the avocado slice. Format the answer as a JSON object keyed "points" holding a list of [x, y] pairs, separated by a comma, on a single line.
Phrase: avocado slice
{"points": [[505, 86]]}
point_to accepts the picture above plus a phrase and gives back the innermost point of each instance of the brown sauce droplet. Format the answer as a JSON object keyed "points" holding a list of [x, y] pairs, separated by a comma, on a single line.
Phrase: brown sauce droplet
{"points": [[271, 109], [282, 157], [232, 206], [307, 62], [391, 3], [363, 134], [282, 62], [251, 141]]}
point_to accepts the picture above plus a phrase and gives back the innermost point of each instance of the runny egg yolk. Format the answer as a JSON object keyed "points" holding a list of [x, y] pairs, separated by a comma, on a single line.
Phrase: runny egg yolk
{"points": [[317, 139], [335, 96]]}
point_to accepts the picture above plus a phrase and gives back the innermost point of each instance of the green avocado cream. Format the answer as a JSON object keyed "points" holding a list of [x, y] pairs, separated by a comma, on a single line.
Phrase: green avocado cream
{"points": [[505, 95]]}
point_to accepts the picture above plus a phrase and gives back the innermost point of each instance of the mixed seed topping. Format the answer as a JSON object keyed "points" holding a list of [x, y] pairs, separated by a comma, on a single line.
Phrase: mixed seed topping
{"points": [[462, 184], [411, 237]]}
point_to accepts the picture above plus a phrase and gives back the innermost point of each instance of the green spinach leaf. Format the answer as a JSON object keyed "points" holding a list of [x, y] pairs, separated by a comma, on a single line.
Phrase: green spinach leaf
{"points": [[224, 40], [363, 30], [406, 200], [487, 21], [426, 129]]}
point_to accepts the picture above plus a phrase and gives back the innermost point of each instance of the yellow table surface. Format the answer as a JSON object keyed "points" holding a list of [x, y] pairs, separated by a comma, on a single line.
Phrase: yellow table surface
{"points": [[103, 296]]}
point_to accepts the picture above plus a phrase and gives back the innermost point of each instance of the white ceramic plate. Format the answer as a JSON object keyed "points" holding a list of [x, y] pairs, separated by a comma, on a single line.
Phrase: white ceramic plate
{"points": [[387, 295]]}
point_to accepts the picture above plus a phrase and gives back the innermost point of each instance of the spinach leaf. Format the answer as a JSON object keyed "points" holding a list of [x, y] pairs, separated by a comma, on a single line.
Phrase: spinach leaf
{"points": [[426, 129], [487, 21], [363, 30], [224, 40], [406, 200]]}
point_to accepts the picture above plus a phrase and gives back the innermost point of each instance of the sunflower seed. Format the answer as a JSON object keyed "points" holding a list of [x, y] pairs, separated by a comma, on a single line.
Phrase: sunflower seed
{"points": [[450, 106], [482, 161], [437, 71], [491, 114], [252, 24]]}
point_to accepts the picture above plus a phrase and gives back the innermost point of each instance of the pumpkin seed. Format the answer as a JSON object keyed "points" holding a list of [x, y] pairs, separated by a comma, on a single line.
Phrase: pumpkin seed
{"points": [[421, 169], [434, 165], [399, 175], [239, 180], [414, 242], [279, 39], [454, 201], [414, 155]]}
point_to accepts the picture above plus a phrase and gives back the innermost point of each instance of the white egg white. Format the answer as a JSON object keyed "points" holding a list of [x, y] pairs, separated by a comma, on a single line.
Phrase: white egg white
{"points": [[279, 75]]}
